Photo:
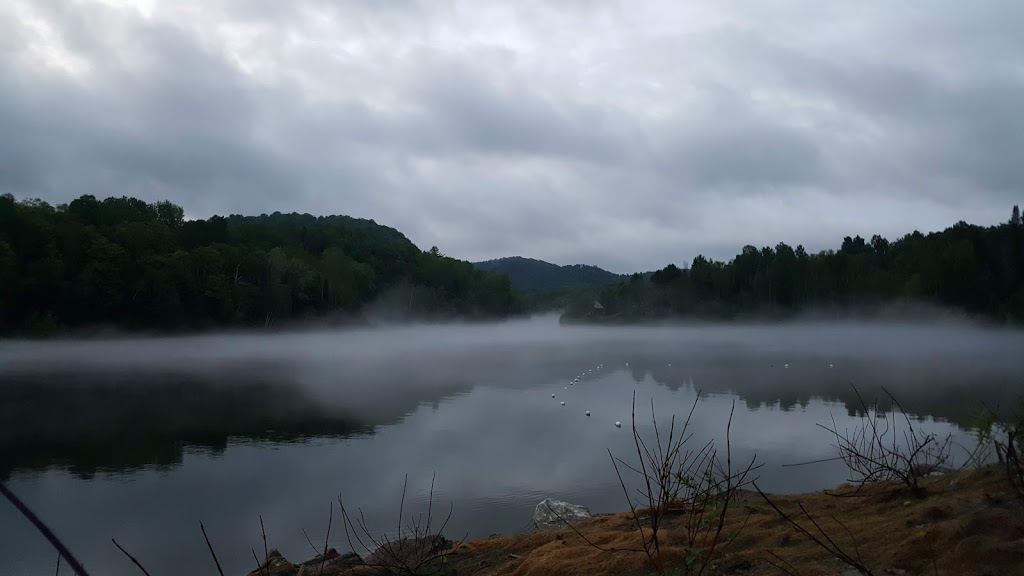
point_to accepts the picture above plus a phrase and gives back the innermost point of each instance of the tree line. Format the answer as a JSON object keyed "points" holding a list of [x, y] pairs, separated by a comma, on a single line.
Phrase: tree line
{"points": [[126, 263], [978, 270]]}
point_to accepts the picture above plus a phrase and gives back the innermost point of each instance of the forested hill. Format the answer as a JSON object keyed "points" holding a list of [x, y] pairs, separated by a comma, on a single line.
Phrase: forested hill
{"points": [[975, 269], [532, 275], [125, 263]]}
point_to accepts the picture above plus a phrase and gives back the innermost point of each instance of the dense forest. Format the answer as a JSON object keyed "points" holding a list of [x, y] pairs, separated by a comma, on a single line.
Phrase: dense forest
{"points": [[125, 263], [530, 275], [977, 270]]}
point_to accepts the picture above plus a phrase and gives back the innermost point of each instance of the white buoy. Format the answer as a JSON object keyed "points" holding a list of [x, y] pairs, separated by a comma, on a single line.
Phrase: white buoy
{"points": [[563, 403], [618, 424], [588, 412], [786, 366], [627, 363], [831, 366], [552, 395], [565, 387]]}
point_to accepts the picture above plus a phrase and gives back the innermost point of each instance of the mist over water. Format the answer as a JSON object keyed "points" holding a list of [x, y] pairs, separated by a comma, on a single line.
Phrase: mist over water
{"points": [[140, 439]]}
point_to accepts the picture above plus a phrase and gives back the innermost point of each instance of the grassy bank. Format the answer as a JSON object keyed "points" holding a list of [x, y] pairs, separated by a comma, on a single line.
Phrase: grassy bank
{"points": [[966, 523]]}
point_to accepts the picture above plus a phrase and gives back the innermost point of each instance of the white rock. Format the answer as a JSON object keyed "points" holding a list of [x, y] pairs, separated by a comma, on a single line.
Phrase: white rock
{"points": [[588, 412], [552, 395], [618, 424], [552, 514]]}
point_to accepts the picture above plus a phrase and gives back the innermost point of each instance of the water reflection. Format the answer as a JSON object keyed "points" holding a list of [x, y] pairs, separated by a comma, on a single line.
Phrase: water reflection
{"points": [[114, 422], [141, 440]]}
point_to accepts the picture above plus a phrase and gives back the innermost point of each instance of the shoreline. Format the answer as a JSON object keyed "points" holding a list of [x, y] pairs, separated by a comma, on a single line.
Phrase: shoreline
{"points": [[966, 522]]}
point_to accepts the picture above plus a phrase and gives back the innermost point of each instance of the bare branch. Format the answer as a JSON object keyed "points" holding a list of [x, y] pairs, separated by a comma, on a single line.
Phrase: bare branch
{"points": [[826, 542], [210, 546], [330, 520], [44, 530], [130, 557]]}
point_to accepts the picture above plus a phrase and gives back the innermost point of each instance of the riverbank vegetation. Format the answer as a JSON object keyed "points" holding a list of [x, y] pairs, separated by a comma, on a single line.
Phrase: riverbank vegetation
{"points": [[127, 264], [976, 270]]}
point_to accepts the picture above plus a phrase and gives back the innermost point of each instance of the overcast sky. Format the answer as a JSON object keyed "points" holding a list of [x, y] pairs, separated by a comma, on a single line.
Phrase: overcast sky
{"points": [[624, 134]]}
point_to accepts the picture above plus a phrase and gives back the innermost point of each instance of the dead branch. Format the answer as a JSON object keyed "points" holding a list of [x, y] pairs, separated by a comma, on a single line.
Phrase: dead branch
{"points": [[698, 483], [330, 520], [418, 547], [44, 530], [875, 452], [130, 557], [210, 546], [825, 541]]}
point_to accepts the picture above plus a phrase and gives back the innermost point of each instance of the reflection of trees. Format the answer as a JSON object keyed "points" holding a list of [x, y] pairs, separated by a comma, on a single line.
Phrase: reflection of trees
{"points": [[113, 423], [945, 388], [948, 391]]}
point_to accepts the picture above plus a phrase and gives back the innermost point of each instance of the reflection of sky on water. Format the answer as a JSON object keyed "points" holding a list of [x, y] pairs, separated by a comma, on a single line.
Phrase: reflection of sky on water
{"points": [[497, 451]]}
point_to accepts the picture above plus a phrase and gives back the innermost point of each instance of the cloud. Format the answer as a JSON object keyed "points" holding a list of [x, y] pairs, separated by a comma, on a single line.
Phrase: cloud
{"points": [[621, 134]]}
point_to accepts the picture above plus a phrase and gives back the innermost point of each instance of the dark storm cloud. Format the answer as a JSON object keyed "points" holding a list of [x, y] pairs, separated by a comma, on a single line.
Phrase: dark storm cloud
{"points": [[620, 134]]}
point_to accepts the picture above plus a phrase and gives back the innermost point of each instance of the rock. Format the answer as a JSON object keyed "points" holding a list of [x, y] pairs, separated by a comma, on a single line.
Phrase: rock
{"points": [[406, 554], [276, 565], [335, 563], [551, 514]]}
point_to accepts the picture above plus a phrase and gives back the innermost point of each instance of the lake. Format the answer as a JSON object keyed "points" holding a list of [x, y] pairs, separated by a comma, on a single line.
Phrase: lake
{"points": [[143, 439]]}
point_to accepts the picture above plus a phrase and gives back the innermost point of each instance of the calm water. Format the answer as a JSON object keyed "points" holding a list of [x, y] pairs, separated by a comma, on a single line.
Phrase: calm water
{"points": [[141, 440]]}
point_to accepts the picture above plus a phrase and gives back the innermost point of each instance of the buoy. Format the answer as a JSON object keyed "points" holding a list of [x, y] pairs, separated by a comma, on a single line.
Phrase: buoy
{"points": [[786, 366], [831, 366], [588, 412], [563, 403], [552, 395], [565, 387], [618, 424], [627, 363]]}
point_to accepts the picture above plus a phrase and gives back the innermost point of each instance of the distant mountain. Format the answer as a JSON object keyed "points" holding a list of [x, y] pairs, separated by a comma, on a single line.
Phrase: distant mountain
{"points": [[531, 275]]}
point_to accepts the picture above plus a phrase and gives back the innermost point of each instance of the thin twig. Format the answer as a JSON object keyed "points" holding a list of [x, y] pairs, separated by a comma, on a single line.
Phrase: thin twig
{"points": [[210, 546], [259, 566], [330, 520], [266, 554], [828, 544], [130, 557], [310, 542], [587, 540], [44, 530], [781, 564]]}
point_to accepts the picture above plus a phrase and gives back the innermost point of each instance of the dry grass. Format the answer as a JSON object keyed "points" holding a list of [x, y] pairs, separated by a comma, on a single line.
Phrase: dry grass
{"points": [[967, 523]]}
